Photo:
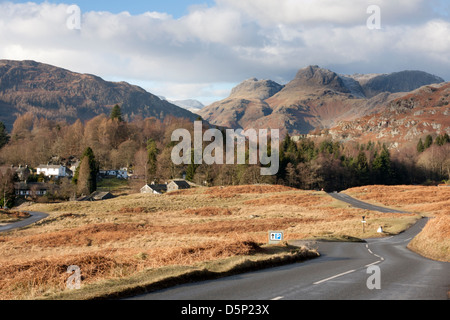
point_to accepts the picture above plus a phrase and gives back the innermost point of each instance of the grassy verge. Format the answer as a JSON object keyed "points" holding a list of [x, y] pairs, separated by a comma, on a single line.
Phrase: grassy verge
{"points": [[430, 201], [160, 278], [12, 216]]}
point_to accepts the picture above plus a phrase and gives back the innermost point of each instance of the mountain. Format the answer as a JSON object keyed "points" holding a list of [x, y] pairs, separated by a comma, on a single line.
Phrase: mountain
{"points": [[315, 98], [56, 93], [244, 106], [404, 81], [421, 112], [192, 105]]}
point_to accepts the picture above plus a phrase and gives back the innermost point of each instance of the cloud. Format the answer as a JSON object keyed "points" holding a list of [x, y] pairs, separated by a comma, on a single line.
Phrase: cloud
{"points": [[211, 47]]}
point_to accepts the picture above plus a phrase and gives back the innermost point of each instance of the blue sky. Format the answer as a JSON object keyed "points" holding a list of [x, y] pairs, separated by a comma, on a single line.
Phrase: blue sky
{"points": [[200, 49], [176, 8]]}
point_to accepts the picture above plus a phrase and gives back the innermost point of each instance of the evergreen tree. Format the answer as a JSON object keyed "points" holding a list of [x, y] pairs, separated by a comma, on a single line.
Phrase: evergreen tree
{"points": [[442, 139], [152, 152], [191, 169], [88, 179], [381, 167], [4, 137], [428, 141], [446, 138], [420, 146], [116, 113], [362, 168]]}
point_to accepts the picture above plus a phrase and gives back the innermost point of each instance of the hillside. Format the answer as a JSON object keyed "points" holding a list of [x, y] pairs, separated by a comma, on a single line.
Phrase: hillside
{"points": [[56, 93], [316, 97], [119, 239], [407, 118]]}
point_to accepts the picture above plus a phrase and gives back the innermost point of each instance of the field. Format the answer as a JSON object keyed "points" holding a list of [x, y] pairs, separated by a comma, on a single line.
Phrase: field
{"points": [[434, 202], [123, 242]]}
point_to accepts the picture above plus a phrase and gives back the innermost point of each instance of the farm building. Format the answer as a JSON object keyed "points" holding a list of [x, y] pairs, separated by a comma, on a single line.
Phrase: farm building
{"points": [[154, 188], [178, 185]]}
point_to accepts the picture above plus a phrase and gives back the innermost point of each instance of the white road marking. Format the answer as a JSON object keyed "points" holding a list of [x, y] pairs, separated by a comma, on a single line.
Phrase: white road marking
{"points": [[333, 277], [372, 264], [277, 298]]}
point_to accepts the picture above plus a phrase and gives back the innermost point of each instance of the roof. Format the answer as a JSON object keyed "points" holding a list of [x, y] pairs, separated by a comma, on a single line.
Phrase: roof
{"points": [[29, 185], [97, 195], [158, 186], [182, 184], [45, 166]]}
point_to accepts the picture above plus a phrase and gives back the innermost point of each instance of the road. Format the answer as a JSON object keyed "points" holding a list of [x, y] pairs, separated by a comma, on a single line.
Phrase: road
{"points": [[342, 272], [363, 205], [35, 217]]}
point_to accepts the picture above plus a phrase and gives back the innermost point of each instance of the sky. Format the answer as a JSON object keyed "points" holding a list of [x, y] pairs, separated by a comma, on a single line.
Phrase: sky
{"points": [[201, 49]]}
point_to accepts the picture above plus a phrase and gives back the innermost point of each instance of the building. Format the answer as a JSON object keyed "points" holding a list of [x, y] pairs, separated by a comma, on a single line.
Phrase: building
{"points": [[34, 189], [57, 171], [97, 196], [154, 188], [178, 185], [22, 172], [119, 174]]}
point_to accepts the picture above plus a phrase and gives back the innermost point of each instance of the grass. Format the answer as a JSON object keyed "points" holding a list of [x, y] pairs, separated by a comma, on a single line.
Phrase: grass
{"points": [[159, 278], [119, 242], [434, 202], [7, 216]]}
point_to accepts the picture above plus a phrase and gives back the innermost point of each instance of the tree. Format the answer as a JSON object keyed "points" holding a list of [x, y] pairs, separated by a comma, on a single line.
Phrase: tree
{"points": [[362, 168], [86, 174], [7, 194], [85, 184], [428, 141], [420, 146], [381, 167], [4, 137], [442, 139], [152, 152], [116, 113]]}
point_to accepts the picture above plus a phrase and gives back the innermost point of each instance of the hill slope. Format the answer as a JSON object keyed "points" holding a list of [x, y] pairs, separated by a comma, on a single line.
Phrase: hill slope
{"points": [[407, 118], [316, 97], [56, 93]]}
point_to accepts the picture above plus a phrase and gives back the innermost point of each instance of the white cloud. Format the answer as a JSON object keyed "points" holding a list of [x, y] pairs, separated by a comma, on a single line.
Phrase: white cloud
{"points": [[231, 41]]}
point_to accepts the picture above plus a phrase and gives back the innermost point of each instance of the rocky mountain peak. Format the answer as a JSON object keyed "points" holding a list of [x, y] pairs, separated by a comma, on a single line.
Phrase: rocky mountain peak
{"points": [[315, 76], [256, 89]]}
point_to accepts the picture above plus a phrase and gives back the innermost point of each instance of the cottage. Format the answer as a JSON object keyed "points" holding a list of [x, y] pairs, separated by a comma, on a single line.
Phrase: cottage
{"points": [[154, 188], [119, 174], [57, 171], [22, 172], [35, 189], [97, 196], [178, 185]]}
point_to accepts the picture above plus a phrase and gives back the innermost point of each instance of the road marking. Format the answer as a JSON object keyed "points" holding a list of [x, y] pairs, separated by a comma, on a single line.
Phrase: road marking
{"points": [[372, 264], [333, 277], [277, 298]]}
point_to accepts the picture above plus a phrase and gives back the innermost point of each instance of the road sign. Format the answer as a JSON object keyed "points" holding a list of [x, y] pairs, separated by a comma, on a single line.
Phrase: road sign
{"points": [[276, 237]]}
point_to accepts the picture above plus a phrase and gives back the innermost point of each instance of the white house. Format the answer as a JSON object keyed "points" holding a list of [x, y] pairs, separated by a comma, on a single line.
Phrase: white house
{"points": [[52, 170]]}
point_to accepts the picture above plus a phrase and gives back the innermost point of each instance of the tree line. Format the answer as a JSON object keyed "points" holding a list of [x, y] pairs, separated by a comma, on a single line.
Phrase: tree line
{"points": [[144, 146]]}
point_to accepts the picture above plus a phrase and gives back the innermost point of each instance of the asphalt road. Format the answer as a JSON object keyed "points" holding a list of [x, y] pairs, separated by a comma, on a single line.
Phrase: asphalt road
{"points": [[362, 205], [35, 217], [379, 269]]}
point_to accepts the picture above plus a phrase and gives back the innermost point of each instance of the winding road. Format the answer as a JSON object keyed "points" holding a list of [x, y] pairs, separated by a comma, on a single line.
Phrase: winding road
{"points": [[35, 217], [378, 269]]}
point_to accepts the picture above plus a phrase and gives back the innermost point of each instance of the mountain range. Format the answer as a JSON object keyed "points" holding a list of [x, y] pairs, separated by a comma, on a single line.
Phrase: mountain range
{"points": [[56, 93], [400, 105], [315, 98]]}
